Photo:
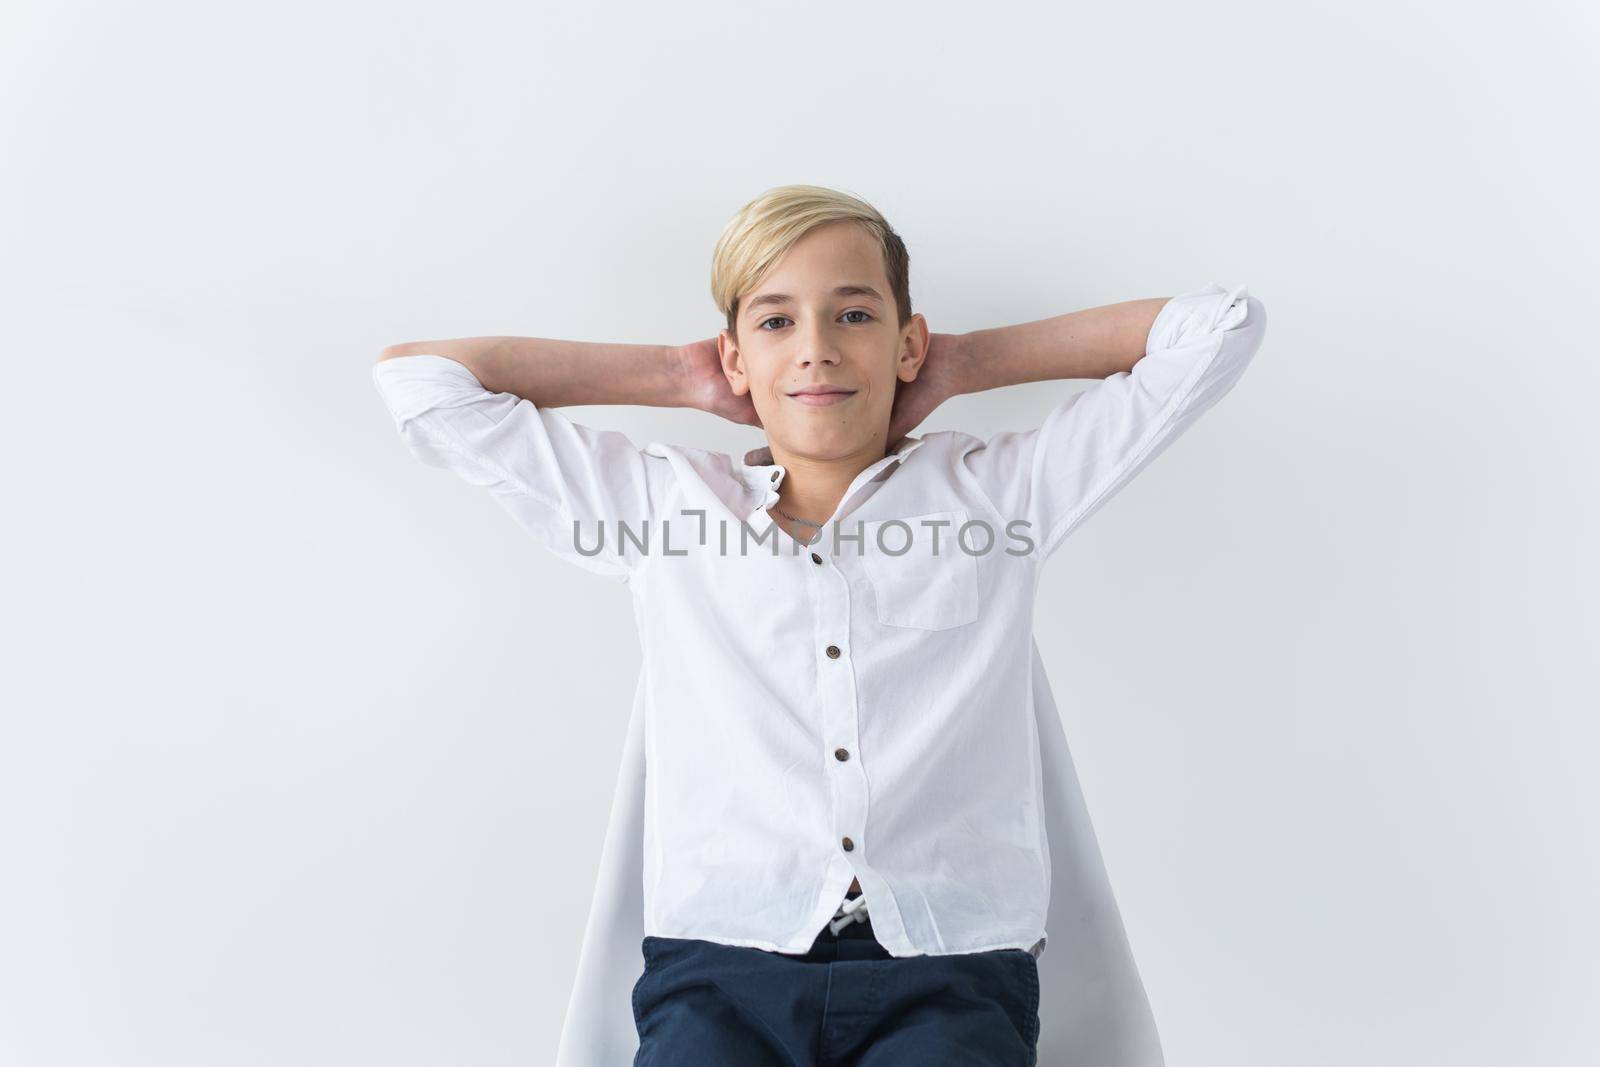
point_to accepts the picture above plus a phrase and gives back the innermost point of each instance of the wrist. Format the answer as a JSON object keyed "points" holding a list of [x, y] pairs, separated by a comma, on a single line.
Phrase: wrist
{"points": [[965, 363], [680, 387]]}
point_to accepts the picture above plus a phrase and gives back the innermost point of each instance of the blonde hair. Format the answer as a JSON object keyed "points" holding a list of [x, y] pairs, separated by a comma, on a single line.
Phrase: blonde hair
{"points": [[766, 227]]}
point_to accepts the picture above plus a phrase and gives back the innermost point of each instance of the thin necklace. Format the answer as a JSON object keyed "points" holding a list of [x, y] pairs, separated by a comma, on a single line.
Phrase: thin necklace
{"points": [[803, 522]]}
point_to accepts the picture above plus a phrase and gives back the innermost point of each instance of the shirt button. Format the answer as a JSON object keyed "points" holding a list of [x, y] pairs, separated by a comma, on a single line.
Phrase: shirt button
{"points": [[815, 558], [841, 754], [833, 651], [849, 845], [775, 475]]}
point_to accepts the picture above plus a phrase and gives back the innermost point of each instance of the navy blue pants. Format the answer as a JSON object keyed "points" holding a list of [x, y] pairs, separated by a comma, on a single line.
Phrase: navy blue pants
{"points": [[845, 1003]]}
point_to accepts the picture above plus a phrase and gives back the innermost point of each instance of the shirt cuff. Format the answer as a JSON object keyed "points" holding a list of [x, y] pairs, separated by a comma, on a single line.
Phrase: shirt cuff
{"points": [[1197, 313], [411, 385]]}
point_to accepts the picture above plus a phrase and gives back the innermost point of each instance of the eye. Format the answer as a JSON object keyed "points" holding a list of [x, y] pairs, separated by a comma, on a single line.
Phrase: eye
{"points": [[852, 311]]}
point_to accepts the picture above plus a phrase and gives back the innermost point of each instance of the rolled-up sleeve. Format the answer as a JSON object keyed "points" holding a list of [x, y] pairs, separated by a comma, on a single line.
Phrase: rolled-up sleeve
{"points": [[567, 484], [1095, 441]]}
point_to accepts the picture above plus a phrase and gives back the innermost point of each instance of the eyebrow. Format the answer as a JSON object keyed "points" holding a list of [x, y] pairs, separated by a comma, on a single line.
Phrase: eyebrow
{"points": [[766, 299]]}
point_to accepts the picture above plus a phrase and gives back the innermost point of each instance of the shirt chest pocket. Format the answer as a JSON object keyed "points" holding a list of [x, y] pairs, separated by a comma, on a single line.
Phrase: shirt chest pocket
{"points": [[916, 587]]}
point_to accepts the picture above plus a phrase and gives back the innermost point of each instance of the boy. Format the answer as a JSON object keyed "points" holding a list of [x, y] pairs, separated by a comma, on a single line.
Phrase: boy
{"points": [[844, 857]]}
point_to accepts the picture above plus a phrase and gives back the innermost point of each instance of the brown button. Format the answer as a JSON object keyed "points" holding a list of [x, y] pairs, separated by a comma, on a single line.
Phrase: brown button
{"points": [[775, 475], [841, 754], [833, 651], [815, 558], [849, 845]]}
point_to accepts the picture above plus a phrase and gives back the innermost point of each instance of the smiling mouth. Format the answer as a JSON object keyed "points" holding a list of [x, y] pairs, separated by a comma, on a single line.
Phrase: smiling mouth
{"points": [[832, 396]]}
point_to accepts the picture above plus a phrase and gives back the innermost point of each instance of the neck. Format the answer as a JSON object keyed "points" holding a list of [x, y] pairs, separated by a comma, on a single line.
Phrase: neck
{"points": [[813, 488]]}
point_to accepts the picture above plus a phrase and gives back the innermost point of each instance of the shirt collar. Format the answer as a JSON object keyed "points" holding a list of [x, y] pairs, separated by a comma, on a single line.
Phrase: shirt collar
{"points": [[760, 459], [766, 475]]}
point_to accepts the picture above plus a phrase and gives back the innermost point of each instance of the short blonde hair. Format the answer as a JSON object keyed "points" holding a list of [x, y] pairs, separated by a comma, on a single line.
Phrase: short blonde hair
{"points": [[766, 227]]}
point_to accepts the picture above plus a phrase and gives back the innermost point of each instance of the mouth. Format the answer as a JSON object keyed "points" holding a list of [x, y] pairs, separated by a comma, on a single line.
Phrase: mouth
{"points": [[822, 396]]}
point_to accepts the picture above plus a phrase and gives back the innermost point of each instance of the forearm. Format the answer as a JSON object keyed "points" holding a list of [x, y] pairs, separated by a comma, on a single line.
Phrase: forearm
{"points": [[1093, 343], [553, 373]]}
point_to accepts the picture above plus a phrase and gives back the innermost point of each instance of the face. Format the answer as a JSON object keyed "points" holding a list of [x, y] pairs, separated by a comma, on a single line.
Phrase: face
{"points": [[822, 317]]}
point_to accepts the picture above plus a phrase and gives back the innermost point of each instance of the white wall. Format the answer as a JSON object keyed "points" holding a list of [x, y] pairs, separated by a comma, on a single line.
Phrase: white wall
{"points": [[305, 755]]}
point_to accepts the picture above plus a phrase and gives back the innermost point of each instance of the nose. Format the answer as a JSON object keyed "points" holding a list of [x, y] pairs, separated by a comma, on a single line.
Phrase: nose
{"points": [[812, 347]]}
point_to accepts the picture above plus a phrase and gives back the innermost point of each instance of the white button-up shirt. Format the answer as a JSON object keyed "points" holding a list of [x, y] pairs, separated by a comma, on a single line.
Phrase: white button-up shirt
{"points": [[859, 708]]}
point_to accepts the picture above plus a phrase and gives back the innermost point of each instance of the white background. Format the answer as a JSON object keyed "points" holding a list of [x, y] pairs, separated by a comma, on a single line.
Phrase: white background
{"points": [[307, 749]]}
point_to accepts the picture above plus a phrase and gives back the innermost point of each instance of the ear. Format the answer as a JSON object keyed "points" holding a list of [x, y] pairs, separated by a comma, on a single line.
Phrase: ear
{"points": [[732, 363], [913, 349]]}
